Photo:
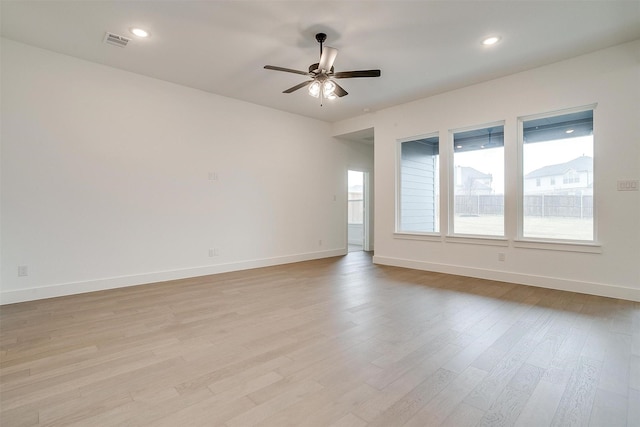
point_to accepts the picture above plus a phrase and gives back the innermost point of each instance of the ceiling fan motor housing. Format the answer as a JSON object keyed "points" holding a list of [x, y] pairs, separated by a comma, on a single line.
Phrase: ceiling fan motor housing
{"points": [[313, 68]]}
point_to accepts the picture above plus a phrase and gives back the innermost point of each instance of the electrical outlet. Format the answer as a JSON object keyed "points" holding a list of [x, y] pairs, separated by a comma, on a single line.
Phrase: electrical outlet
{"points": [[320, 242], [23, 271], [213, 252], [213, 176], [628, 185], [210, 252], [501, 256]]}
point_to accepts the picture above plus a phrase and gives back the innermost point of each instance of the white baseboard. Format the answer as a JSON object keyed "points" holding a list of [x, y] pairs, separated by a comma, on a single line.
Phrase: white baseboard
{"points": [[590, 288], [52, 291]]}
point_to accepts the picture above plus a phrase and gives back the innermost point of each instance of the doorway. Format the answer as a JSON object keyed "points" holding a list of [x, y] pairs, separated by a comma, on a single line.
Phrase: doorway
{"points": [[357, 211]]}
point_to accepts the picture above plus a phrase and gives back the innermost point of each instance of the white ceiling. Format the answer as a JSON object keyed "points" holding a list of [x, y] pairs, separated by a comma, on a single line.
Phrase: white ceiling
{"points": [[422, 47]]}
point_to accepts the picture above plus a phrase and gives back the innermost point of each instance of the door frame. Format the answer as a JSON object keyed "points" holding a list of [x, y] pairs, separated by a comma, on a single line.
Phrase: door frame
{"points": [[366, 206]]}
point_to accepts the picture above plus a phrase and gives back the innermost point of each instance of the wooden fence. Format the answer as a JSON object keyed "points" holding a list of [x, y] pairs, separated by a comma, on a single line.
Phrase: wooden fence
{"points": [[534, 205]]}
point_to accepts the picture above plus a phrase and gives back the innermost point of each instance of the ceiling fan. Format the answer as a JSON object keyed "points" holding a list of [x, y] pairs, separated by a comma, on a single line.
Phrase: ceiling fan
{"points": [[322, 83]]}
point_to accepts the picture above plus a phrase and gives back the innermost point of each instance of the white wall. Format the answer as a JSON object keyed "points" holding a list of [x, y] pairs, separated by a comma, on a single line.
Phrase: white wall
{"points": [[610, 78], [105, 180]]}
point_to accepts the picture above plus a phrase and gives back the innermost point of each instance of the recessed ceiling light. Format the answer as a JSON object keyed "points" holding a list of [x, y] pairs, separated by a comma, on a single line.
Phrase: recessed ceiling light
{"points": [[139, 32], [489, 41]]}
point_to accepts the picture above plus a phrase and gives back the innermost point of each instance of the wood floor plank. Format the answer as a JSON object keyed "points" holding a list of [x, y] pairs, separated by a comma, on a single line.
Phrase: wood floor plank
{"points": [[79, 410], [336, 341], [633, 409], [395, 370], [609, 409], [284, 400], [485, 393], [541, 405], [464, 415], [207, 412], [444, 403], [509, 404], [407, 407], [139, 413], [634, 376], [472, 352], [349, 420], [324, 407], [494, 354], [567, 357], [23, 416], [38, 390], [615, 375], [577, 401]]}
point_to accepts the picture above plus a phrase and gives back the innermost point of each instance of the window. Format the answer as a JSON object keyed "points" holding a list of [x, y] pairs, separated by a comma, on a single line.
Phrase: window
{"points": [[356, 215], [355, 199], [560, 146], [419, 195], [570, 177], [478, 179], [538, 182]]}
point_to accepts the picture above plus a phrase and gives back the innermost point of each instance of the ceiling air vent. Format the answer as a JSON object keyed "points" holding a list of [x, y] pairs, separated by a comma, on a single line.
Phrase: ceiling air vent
{"points": [[116, 40]]}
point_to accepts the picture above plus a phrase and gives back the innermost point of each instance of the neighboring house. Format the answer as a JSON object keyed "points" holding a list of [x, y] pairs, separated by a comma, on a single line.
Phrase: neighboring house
{"points": [[472, 182], [571, 178]]}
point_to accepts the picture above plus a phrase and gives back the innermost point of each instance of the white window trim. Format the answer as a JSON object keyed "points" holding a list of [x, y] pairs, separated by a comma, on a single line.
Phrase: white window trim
{"points": [[590, 246], [472, 239], [403, 234], [559, 245], [450, 235], [430, 237]]}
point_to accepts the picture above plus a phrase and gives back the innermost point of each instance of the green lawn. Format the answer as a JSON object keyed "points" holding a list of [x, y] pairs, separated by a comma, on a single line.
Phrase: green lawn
{"points": [[534, 227]]}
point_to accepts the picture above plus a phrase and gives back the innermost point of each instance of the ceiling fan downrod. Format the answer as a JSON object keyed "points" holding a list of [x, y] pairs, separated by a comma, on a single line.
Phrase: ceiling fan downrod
{"points": [[320, 38]]}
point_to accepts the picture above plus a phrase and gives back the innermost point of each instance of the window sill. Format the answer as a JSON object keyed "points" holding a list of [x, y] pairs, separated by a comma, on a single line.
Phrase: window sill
{"points": [[592, 248], [477, 240], [418, 236]]}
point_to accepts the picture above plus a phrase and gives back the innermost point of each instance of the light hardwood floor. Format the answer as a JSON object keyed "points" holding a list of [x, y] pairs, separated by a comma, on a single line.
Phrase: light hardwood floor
{"points": [[333, 342]]}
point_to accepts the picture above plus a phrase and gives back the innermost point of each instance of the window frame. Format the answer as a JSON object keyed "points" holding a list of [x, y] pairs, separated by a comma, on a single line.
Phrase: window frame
{"points": [[417, 235], [570, 245], [468, 238]]}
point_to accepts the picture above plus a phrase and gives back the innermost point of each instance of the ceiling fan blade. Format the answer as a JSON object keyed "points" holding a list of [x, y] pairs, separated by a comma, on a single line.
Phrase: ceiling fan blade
{"points": [[298, 86], [326, 59], [288, 70], [339, 91], [352, 74]]}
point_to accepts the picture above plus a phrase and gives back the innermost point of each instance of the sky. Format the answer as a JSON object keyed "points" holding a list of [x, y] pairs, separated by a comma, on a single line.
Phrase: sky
{"points": [[355, 178], [535, 156]]}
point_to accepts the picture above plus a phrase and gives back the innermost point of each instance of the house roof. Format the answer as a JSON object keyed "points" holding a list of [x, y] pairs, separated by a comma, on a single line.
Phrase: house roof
{"points": [[582, 163], [473, 178], [469, 172]]}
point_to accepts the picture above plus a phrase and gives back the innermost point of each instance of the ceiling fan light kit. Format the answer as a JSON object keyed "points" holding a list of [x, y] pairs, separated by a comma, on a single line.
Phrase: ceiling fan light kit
{"points": [[322, 74]]}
